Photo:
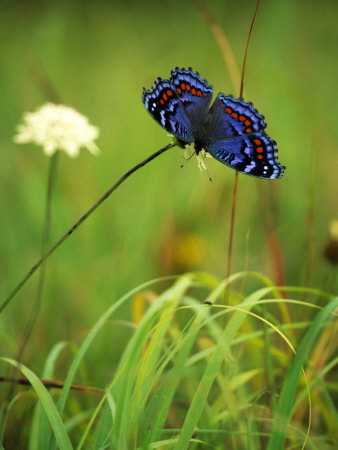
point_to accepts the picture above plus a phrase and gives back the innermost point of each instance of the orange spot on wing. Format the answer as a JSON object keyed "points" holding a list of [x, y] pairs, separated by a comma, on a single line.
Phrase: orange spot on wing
{"points": [[234, 115], [162, 102], [199, 93], [248, 130], [228, 110], [188, 87], [260, 156], [257, 141], [242, 118], [178, 90], [260, 149], [182, 86], [247, 123], [169, 93], [165, 97], [193, 91]]}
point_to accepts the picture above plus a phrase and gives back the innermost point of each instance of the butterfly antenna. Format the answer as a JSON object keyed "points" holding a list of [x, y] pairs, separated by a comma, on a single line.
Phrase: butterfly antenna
{"points": [[188, 159]]}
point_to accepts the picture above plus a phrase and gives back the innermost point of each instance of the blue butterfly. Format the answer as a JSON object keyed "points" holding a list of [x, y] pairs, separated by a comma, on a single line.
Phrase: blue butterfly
{"points": [[231, 130]]}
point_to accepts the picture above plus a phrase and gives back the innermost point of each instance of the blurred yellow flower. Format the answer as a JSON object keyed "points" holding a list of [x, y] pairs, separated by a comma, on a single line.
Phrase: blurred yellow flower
{"points": [[334, 229], [58, 127], [330, 249]]}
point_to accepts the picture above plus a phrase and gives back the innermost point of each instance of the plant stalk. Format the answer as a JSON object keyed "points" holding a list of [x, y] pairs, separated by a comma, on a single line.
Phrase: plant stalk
{"points": [[80, 221]]}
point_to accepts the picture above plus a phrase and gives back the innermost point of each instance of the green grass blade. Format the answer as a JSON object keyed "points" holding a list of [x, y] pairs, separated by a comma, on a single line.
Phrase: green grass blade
{"points": [[317, 382], [40, 429], [222, 351], [97, 410], [51, 411], [127, 408], [91, 336], [285, 405], [163, 397]]}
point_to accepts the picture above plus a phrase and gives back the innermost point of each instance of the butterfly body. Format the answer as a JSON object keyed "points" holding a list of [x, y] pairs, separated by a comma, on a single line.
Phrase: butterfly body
{"points": [[231, 130]]}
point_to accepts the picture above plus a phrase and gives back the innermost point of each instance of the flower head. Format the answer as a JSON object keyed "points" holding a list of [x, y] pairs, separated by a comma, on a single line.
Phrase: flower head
{"points": [[58, 127], [202, 154]]}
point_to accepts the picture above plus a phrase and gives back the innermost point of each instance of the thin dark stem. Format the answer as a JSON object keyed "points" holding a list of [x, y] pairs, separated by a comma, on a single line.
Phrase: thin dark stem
{"points": [[80, 221], [232, 224], [246, 50], [44, 243], [309, 236], [234, 197], [51, 384]]}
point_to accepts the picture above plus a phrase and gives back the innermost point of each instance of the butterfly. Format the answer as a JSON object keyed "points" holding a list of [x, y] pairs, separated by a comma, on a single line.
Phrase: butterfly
{"points": [[231, 130]]}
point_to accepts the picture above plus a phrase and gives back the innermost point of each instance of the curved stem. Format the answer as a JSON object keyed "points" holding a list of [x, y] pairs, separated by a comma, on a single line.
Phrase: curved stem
{"points": [[80, 221], [246, 49]]}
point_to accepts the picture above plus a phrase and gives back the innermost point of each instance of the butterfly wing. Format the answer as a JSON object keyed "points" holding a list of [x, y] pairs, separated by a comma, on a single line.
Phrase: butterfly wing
{"points": [[195, 94], [237, 138], [229, 116], [164, 105], [254, 154]]}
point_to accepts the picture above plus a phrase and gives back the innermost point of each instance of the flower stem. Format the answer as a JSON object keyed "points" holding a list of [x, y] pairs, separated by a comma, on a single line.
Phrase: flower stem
{"points": [[36, 307], [231, 233], [44, 243], [80, 221]]}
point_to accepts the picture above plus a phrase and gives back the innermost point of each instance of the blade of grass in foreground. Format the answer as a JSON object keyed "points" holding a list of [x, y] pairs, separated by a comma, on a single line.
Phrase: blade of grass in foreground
{"points": [[125, 422], [48, 404], [92, 334], [158, 408], [285, 405], [90, 338], [40, 430], [222, 351]]}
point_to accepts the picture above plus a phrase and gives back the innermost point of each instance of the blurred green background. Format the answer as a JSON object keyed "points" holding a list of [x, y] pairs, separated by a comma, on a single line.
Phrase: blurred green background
{"points": [[164, 220]]}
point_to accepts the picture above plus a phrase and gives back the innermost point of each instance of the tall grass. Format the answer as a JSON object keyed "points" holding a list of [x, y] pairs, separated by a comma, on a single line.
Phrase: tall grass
{"points": [[183, 380]]}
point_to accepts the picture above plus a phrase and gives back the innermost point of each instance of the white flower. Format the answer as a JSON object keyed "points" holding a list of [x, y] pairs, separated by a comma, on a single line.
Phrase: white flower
{"points": [[58, 127], [202, 154]]}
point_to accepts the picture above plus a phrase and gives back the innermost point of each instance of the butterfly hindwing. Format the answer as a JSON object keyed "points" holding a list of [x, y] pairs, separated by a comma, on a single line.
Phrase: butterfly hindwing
{"points": [[230, 117], [194, 93], [254, 154], [166, 108]]}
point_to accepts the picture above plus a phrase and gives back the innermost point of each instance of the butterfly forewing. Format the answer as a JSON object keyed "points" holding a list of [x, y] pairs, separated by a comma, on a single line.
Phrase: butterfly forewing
{"points": [[194, 93], [166, 108]]}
